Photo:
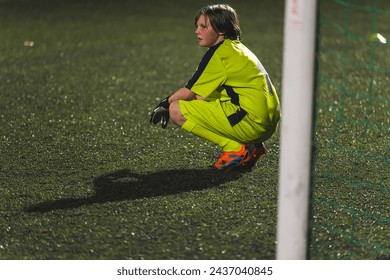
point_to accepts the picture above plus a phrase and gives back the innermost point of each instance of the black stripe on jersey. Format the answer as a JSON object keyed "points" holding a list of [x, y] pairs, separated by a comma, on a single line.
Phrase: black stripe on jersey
{"points": [[233, 95], [235, 99], [236, 117], [202, 65]]}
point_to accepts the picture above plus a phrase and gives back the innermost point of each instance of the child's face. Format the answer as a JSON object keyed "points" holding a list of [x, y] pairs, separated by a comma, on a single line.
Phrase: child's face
{"points": [[207, 37]]}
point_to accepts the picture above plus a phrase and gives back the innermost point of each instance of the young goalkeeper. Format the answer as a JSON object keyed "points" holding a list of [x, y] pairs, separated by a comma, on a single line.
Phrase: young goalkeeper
{"points": [[230, 99]]}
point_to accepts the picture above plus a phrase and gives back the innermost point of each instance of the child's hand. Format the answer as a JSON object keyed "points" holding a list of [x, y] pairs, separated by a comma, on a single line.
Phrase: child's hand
{"points": [[161, 113]]}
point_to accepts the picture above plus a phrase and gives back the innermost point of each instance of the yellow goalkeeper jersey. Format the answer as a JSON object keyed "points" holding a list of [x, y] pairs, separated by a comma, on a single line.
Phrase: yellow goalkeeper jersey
{"points": [[230, 72]]}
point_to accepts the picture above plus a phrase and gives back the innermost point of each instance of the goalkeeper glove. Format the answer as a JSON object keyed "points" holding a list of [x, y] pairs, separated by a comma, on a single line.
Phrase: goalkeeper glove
{"points": [[161, 113]]}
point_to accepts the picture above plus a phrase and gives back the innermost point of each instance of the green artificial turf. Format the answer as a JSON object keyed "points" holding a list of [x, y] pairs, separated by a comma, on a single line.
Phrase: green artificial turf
{"points": [[351, 182], [83, 173]]}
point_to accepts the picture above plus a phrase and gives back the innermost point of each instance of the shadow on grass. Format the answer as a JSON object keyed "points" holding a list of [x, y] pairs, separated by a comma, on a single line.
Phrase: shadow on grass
{"points": [[125, 185]]}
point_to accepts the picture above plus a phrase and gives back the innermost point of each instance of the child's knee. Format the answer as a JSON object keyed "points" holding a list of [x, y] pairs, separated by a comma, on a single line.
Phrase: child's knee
{"points": [[175, 113]]}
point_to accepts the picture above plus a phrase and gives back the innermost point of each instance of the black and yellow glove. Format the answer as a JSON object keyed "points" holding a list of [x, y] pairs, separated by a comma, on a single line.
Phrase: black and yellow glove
{"points": [[161, 113]]}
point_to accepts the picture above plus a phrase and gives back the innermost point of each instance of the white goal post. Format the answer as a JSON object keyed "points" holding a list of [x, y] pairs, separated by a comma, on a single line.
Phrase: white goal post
{"points": [[296, 129]]}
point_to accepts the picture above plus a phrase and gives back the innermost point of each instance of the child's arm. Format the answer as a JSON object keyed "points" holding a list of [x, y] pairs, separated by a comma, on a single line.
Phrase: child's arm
{"points": [[161, 112], [182, 94]]}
